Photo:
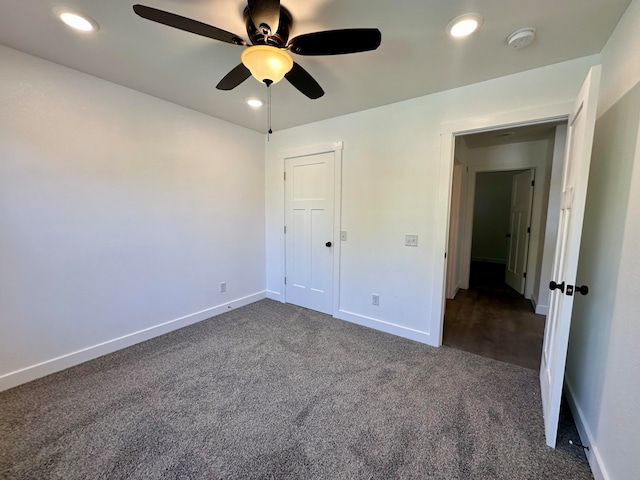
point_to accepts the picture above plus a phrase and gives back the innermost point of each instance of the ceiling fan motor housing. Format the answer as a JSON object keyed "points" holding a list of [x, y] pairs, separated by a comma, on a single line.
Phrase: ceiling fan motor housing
{"points": [[277, 39]]}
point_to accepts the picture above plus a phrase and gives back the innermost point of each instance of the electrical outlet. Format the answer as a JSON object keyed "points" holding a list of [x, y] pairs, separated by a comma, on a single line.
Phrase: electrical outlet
{"points": [[375, 299], [343, 236], [411, 240], [223, 287]]}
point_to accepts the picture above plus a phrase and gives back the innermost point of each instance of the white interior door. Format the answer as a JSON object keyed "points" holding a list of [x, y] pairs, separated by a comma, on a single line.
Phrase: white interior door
{"points": [[574, 190], [309, 242], [519, 230]]}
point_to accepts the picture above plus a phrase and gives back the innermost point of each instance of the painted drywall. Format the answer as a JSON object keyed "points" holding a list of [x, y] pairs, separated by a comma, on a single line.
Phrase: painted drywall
{"points": [[119, 212], [456, 230], [491, 211], [621, 59], [604, 358], [391, 186], [547, 248]]}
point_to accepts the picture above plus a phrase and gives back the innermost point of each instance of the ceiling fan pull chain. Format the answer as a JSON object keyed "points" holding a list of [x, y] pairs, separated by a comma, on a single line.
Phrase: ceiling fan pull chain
{"points": [[269, 111]]}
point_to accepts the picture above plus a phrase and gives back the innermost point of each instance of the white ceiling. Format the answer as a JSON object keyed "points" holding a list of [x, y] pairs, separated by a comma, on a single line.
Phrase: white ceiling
{"points": [[416, 56]]}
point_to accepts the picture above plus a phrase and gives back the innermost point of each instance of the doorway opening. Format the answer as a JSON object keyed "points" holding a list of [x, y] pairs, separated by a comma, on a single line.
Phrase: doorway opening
{"points": [[501, 236]]}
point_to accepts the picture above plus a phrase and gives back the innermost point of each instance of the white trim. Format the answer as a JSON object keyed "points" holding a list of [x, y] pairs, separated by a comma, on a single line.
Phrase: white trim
{"points": [[387, 327], [337, 224], [537, 308], [535, 221], [27, 374], [312, 150], [542, 310], [275, 296], [529, 116], [515, 118], [586, 437]]}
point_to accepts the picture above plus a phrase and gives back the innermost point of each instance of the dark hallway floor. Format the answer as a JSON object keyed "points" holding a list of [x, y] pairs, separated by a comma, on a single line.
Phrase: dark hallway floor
{"points": [[493, 320]]}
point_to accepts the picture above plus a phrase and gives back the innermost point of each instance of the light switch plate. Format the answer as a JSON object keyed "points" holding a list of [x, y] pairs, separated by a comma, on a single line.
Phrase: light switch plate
{"points": [[411, 240]]}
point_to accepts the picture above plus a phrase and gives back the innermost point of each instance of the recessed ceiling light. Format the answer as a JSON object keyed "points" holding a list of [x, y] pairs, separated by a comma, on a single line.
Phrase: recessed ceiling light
{"points": [[464, 25], [77, 20], [254, 102]]}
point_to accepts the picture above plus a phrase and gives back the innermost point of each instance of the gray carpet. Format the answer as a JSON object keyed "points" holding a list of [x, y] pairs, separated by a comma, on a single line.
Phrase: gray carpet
{"points": [[276, 391]]}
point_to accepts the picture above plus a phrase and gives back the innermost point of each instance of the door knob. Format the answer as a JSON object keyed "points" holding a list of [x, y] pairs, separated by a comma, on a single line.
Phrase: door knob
{"points": [[584, 290], [328, 244], [556, 286], [508, 235]]}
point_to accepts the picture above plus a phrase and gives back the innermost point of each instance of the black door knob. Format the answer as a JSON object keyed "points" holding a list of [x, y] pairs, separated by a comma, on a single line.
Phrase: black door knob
{"points": [[328, 244], [584, 290], [556, 286]]}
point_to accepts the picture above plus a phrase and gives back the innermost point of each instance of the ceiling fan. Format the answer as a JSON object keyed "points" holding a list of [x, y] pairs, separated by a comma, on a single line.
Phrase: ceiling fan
{"points": [[266, 57]]}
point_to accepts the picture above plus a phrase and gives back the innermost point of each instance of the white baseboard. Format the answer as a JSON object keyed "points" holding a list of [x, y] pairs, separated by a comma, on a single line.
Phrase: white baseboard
{"points": [[542, 309], [539, 309], [586, 437], [275, 296], [27, 374], [387, 327]]}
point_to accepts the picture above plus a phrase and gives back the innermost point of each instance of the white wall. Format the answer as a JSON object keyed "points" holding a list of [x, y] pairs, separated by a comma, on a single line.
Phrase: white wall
{"points": [[491, 216], [547, 248], [391, 186], [118, 212], [456, 230], [604, 354]]}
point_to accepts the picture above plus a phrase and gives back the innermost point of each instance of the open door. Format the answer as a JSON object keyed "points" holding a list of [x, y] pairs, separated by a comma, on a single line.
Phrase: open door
{"points": [[574, 190], [519, 230]]}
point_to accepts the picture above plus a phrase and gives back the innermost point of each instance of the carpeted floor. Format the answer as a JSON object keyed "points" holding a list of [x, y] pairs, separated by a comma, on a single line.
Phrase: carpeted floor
{"points": [[273, 391]]}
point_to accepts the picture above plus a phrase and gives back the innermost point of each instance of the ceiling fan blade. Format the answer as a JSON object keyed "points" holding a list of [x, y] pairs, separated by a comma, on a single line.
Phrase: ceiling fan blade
{"points": [[265, 15], [336, 42], [234, 78], [187, 24], [305, 83]]}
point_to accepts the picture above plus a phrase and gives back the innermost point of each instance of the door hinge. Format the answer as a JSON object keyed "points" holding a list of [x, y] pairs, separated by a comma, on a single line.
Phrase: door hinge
{"points": [[445, 254], [285, 176], [528, 229], [524, 275], [285, 280], [533, 183], [285, 229]]}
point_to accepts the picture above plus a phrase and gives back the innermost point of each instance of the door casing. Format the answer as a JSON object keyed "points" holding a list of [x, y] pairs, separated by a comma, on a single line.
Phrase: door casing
{"points": [[529, 116]]}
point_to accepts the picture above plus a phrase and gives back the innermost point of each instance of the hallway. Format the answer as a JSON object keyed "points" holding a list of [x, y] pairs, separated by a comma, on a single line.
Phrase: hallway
{"points": [[493, 320]]}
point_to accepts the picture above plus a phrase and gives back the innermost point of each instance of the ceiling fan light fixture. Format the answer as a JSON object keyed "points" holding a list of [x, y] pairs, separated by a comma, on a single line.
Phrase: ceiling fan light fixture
{"points": [[76, 20], [464, 25], [266, 63]]}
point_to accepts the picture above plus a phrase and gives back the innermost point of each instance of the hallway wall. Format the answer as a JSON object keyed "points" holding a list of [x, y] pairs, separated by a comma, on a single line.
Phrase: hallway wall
{"points": [[604, 359]]}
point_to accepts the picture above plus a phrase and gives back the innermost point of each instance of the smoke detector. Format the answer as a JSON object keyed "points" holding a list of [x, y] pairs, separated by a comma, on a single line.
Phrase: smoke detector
{"points": [[521, 38]]}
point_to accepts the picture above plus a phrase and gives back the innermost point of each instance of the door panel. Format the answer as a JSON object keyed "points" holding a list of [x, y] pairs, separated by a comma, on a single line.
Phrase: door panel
{"points": [[309, 213], [521, 205], [574, 190]]}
